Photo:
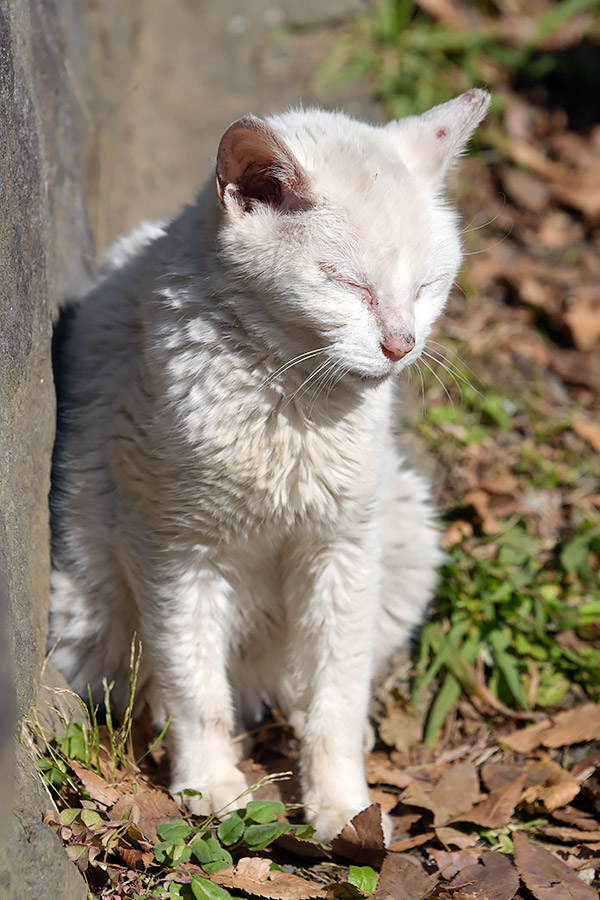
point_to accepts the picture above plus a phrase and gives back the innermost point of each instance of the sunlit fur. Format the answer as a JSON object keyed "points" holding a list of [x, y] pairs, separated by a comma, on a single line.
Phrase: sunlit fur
{"points": [[225, 478]]}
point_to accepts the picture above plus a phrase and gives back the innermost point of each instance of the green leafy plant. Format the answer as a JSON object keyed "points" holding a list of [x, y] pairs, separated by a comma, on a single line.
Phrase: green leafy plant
{"points": [[506, 615], [414, 61], [80, 741], [250, 829]]}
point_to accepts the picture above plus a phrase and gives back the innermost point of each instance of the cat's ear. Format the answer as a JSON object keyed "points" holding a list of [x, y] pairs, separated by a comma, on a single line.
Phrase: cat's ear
{"points": [[254, 166], [430, 142]]}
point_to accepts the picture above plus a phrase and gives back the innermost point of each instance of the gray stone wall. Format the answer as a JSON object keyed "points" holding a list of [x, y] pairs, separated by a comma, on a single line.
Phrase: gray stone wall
{"points": [[44, 243]]}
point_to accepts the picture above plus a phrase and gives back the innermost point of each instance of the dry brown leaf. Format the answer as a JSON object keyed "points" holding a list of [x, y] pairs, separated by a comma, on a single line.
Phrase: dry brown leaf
{"points": [[582, 316], [96, 786], [450, 862], [582, 192], [416, 795], [589, 431], [529, 191], [546, 876], [135, 858], [452, 837], [405, 821], [300, 847], [500, 484], [400, 727], [497, 808], [558, 788], [577, 367], [151, 807], [404, 877], [480, 501], [362, 839], [558, 229], [456, 532], [457, 790], [570, 835], [586, 766], [547, 784], [253, 876], [525, 154], [497, 774], [495, 877], [577, 818], [380, 771], [386, 800], [410, 842], [574, 726]]}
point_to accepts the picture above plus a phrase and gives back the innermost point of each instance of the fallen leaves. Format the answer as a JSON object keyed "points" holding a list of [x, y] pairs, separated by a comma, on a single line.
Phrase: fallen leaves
{"points": [[400, 727], [406, 878], [255, 876], [493, 875], [588, 430], [497, 808], [147, 809], [546, 876], [96, 786], [572, 726], [362, 839]]}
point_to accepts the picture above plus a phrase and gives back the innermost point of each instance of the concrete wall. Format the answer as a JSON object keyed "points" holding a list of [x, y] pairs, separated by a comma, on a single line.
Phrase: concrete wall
{"points": [[44, 246]]}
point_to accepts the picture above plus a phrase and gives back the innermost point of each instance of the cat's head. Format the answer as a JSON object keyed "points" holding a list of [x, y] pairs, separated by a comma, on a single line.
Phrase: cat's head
{"points": [[339, 229]]}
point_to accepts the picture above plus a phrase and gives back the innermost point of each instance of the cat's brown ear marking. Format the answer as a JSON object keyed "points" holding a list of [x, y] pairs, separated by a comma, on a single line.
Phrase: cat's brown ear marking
{"points": [[430, 142], [254, 166]]}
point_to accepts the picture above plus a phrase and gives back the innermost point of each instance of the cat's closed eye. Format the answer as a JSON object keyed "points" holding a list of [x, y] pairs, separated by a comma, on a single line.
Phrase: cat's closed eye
{"points": [[365, 291], [429, 284]]}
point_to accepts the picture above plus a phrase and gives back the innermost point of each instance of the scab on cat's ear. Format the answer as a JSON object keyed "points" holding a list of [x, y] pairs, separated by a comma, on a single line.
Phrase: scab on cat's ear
{"points": [[254, 166], [428, 143]]}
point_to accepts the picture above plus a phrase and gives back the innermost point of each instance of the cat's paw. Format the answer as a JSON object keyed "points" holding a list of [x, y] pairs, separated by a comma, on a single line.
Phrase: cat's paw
{"points": [[328, 823], [219, 797]]}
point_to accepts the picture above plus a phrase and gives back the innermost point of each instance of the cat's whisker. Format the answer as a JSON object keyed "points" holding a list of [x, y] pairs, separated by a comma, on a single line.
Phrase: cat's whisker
{"points": [[449, 367], [455, 377], [304, 385], [458, 285], [468, 229], [438, 379], [460, 369], [335, 378], [290, 363], [416, 366], [444, 351], [321, 382], [492, 246]]}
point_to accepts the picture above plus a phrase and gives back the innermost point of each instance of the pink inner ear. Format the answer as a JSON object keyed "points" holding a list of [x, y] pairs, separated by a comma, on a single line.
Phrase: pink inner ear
{"points": [[253, 159]]}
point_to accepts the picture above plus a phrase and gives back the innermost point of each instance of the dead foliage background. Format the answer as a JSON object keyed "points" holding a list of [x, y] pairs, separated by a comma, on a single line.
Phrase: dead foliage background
{"points": [[488, 739]]}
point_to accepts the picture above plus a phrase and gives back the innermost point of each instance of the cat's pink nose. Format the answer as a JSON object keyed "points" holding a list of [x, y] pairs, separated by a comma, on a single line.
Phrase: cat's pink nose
{"points": [[396, 348]]}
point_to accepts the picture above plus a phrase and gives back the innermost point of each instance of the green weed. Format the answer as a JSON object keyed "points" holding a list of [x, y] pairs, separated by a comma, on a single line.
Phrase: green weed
{"points": [[525, 618], [414, 62]]}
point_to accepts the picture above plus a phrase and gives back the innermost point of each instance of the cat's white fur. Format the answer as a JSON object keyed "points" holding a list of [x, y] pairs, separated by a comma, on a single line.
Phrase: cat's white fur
{"points": [[230, 497]]}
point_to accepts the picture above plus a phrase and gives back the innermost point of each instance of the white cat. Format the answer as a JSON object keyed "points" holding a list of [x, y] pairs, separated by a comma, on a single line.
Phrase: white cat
{"points": [[225, 479]]}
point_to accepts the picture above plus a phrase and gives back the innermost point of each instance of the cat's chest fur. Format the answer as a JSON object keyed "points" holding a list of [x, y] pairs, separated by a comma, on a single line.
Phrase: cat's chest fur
{"points": [[251, 459]]}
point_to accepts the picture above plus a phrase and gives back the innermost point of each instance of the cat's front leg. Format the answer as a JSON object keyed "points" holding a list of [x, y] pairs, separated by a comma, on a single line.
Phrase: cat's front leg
{"points": [[332, 591], [187, 628]]}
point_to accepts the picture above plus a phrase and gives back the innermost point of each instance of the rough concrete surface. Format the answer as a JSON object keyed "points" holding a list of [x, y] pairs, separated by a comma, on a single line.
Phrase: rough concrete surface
{"points": [[44, 245], [196, 66]]}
